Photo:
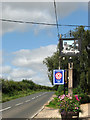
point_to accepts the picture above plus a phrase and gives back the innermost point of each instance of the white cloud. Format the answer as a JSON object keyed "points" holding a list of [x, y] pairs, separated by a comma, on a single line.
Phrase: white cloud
{"points": [[27, 58], [6, 69], [21, 73], [0, 63], [28, 64], [35, 11], [0, 57], [45, 1], [17, 74], [42, 80], [24, 12]]}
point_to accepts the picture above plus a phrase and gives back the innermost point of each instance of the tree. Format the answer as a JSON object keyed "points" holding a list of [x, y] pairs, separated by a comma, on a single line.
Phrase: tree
{"points": [[80, 62]]}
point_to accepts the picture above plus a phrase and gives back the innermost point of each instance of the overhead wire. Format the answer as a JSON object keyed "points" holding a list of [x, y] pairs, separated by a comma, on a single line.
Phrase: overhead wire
{"points": [[41, 23]]}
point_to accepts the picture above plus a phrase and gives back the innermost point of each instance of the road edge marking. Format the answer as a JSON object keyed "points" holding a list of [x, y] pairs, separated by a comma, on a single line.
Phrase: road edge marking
{"points": [[37, 112], [41, 108]]}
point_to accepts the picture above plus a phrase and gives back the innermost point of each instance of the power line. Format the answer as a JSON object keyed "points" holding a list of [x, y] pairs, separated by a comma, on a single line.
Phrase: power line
{"points": [[56, 17], [41, 23]]}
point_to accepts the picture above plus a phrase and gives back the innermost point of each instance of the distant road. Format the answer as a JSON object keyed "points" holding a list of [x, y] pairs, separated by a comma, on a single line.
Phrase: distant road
{"points": [[25, 107]]}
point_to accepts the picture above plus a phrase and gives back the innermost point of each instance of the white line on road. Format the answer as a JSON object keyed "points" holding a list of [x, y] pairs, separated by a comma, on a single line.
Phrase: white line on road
{"points": [[27, 100], [36, 96], [33, 98], [5, 109], [44, 93], [22, 102], [39, 95], [19, 104]]}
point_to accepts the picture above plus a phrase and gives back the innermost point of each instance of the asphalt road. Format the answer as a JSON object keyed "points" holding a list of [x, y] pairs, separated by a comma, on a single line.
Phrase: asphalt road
{"points": [[25, 107]]}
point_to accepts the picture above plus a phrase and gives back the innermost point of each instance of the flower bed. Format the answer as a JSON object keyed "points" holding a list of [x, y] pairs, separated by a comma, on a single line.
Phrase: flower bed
{"points": [[68, 103]]}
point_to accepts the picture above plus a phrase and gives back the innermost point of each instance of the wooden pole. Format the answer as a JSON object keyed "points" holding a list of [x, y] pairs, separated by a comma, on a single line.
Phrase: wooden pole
{"points": [[70, 82]]}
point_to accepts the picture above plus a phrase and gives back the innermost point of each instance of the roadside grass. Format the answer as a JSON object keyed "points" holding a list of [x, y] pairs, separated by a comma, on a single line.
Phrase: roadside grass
{"points": [[18, 94], [53, 104]]}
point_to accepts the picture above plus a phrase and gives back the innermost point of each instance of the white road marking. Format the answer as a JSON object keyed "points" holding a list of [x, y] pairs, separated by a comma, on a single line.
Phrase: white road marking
{"points": [[22, 102], [33, 98], [39, 95], [19, 104], [36, 96], [27, 100], [5, 109], [44, 93]]}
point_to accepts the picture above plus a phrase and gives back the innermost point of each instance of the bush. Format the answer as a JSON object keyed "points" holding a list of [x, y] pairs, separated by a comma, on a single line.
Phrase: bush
{"points": [[78, 90], [60, 90], [84, 98]]}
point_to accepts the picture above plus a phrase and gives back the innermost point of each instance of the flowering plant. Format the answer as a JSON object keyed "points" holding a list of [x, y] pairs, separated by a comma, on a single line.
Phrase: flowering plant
{"points": [[68, 103]]}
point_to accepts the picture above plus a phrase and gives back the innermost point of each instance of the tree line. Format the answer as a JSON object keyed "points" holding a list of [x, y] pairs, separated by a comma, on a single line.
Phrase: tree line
{"points": [[10, 86]]}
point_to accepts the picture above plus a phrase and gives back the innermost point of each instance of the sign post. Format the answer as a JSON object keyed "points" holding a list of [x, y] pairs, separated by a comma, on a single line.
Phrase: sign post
{"points": [[70, 47], [70, 82]]}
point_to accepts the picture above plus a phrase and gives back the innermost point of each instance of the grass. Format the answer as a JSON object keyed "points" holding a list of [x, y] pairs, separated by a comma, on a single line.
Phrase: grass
{"points": [[18, 94], [52, 104]]}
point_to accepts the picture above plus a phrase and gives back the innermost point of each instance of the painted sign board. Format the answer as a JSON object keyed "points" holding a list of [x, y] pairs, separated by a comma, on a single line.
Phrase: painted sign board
{"points": [[70, 46], [58, 77]]}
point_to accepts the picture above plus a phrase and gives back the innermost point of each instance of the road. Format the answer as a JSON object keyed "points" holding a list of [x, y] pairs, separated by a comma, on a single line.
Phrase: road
{"points": [[25, 107]]}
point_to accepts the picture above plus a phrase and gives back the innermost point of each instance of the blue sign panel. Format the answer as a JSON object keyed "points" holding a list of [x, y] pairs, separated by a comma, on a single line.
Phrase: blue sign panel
{"points": [[58, 77]]}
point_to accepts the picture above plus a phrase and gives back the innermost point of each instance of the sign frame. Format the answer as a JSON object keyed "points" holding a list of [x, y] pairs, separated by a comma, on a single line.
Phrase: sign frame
{"points": [[54, 79], [70, 39]]}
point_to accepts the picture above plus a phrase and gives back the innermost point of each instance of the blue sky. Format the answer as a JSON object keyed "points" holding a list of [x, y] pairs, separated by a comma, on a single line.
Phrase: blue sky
{"points": [[25, 46]]}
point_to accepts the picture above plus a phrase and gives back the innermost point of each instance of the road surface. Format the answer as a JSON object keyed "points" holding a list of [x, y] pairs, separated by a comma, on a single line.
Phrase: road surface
{"points": [[25, 107]]}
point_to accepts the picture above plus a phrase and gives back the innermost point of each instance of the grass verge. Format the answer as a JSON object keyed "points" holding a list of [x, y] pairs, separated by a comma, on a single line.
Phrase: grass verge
{"points": [[18, 94], [53, 104]]}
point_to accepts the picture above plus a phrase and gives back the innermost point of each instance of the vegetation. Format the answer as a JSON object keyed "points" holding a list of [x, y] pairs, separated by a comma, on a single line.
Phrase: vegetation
{"points": [[12, 89], [85, 98], [55, 103], [81, 63], [81, 70], [60, 90]]}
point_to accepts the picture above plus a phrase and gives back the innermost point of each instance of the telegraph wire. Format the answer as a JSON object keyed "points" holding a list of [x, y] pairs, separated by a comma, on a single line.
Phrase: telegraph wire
{"points": [[41, 23], [56, 17]]}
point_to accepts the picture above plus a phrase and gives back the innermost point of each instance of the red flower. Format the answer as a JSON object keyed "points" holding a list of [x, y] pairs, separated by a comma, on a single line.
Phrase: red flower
{"points": [[76, 96]]}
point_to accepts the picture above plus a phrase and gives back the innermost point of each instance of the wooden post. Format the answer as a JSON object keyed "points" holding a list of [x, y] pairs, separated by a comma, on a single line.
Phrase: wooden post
{"points": [[70, 82], [59, 52], [66, 76]]}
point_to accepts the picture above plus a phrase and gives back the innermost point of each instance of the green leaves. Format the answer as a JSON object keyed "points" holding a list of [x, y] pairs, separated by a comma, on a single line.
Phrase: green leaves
{"points": [[68, 103], [81, 63]]}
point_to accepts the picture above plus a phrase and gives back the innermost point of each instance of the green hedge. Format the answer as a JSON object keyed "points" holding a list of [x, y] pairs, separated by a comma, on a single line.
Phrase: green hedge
{"points": [[10, 87], [85, 98]]}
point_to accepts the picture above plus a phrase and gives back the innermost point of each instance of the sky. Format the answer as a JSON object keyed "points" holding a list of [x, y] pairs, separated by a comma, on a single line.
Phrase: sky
{"points": [[25, 46]]}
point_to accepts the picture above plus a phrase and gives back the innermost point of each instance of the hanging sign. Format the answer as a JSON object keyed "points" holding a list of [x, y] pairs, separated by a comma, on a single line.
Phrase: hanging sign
{"points": [[70, 46]]}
